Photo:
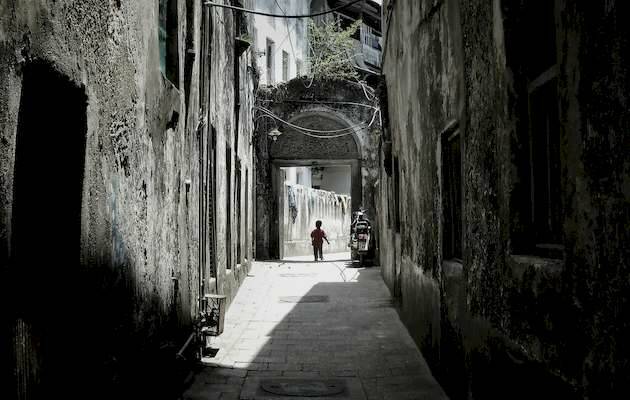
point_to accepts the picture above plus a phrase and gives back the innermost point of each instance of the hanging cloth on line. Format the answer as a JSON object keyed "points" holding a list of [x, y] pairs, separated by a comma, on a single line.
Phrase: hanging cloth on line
{"points": [[293, 211]]}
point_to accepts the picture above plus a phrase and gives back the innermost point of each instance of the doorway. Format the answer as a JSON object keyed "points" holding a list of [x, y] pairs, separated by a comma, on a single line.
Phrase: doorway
{"points": [[311, 191], [46, 230], [293, 148]]}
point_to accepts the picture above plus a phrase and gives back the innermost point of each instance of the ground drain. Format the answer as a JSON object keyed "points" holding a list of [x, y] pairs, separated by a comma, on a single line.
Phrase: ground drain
{"points": [[304, 299], [297, 275], [303, 388]]}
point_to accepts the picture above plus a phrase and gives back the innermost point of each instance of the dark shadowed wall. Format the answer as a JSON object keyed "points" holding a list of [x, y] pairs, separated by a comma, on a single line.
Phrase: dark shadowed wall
{"points": [[504, 190]]}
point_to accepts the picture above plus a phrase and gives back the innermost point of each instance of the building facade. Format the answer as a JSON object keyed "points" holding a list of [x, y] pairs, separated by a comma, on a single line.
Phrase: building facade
{"points": [[367, 39], [281, 43], [504, 190], [125, 187]]}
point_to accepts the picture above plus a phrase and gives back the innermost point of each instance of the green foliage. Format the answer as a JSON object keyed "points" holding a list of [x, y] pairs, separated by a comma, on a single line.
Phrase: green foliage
{"points": [[332, 51]]}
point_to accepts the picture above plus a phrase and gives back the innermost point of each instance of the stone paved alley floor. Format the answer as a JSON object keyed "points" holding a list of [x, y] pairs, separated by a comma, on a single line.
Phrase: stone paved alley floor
{"points": [[299, 325]]}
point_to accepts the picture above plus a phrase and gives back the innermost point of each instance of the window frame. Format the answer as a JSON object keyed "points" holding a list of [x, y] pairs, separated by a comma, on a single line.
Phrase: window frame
{"points": [[285, 66], [238, 211], [452, 196], [168, 40], [228, 208], [532, 60], [547, 245], [270, 50]]}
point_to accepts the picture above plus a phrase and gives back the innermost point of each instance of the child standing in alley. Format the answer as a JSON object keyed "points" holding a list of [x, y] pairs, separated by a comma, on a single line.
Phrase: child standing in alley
{"points": [[318, 236]]}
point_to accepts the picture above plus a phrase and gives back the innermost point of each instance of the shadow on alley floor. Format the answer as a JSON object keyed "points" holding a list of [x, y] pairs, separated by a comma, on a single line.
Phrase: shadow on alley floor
{"points": [[307, 328]]}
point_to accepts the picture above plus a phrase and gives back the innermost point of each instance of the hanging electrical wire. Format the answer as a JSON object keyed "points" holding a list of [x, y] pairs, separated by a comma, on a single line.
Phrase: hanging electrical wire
{"points": [[301, 128], [332, 10], [322, 102], [312, 132]]}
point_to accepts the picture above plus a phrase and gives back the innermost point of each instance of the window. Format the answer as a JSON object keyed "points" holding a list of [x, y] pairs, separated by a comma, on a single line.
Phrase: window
{"points": [[396, 196], [168, 40], [545, 162], [285, 66], [189, 53], [298, 67], [371, 48], [544, 138], [390, 200], [240, 20], [451, 196], [238, 212], [246, 211], [228, 208], [270, 53], [210, 189], [240, 28], [370, 37], [536, 189], [204, 72]]}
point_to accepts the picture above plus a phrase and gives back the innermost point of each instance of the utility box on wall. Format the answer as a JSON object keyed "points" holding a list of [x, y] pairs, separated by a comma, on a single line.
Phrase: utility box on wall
{"points": [[214, 309]]}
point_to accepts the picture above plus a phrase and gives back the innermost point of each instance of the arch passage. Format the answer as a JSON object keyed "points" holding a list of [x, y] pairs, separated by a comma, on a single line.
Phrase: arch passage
{"points": [[294, 148]]}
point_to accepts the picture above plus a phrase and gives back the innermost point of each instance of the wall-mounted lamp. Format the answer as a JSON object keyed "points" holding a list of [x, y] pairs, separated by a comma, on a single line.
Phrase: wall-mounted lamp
{"points": [[274, 133]]}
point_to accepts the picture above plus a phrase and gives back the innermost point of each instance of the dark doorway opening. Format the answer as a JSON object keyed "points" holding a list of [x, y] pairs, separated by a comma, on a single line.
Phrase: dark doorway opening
{"points": [[46, 231]]}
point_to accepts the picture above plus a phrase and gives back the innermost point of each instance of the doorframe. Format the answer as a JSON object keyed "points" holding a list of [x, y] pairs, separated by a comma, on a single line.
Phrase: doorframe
{"points": [[356, 191]]}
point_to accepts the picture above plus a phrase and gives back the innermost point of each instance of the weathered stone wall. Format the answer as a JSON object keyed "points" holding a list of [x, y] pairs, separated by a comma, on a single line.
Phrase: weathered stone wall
{"points": [[501, 318], [318, 105], [423, 86], [124, 302], [231, 124]]}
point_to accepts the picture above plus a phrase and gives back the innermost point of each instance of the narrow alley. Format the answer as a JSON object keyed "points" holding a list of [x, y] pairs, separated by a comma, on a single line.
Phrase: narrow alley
{"points": [[300, 324]]}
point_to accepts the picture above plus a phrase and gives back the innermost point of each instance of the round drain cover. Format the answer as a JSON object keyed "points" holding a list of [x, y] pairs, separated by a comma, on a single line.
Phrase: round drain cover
{"points": [[303, 388]]}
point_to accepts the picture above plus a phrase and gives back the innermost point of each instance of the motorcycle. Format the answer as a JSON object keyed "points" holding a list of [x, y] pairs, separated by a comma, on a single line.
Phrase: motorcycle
{"points": [[360, 238]]}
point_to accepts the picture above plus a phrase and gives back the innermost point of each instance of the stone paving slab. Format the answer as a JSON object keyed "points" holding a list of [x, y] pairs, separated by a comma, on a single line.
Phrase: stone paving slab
{"points": [[355, 336]]}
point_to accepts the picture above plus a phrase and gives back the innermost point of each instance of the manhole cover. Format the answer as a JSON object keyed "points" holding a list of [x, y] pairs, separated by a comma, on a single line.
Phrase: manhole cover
{"points": [[303, 388], [304, 299]]}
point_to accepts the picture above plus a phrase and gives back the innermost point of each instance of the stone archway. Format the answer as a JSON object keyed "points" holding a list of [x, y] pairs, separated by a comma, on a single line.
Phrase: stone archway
{"points": [[299, 148], [338, 106], [303, 148], [296, 148]]}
